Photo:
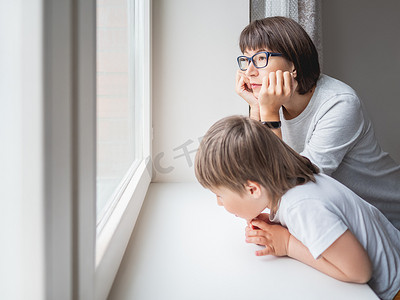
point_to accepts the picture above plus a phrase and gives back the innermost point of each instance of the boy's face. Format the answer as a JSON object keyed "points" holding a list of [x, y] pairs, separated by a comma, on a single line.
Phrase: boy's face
{"points": [[247, 205]]}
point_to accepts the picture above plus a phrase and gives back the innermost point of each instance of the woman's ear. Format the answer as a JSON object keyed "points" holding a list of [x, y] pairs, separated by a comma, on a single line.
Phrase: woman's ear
{"points": [[253, 189], [294, 72]]}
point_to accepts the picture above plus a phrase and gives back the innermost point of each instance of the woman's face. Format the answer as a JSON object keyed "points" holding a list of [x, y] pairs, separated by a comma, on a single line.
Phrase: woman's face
{"points": [[256, 76]]}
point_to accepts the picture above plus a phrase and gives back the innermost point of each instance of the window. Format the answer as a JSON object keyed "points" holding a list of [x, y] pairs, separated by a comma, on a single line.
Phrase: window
{"points": [[49, 71], [119, 102], [123, 128]]}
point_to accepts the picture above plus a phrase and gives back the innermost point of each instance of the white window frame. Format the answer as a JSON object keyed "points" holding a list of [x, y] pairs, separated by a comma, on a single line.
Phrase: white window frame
{"points": [[114, 235], [78, 266]]}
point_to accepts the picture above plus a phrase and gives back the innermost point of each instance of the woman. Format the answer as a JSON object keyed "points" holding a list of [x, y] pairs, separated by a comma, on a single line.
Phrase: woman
{"points": [[318, 116]]}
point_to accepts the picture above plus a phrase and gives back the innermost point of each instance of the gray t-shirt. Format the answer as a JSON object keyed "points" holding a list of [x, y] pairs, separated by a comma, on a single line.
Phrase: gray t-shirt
{"points": [[335, 133], [317, 214]]}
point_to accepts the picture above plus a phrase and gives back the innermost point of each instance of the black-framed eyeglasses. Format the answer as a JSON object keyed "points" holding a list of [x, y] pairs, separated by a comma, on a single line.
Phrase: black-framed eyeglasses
{"points": [[259, 60]]}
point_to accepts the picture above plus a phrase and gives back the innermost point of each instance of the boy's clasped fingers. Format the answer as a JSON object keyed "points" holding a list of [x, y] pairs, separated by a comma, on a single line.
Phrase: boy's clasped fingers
{"points": [[259, 240], [273, 236], [268, 250], [259, 236], [257, 233], [260, 224]]}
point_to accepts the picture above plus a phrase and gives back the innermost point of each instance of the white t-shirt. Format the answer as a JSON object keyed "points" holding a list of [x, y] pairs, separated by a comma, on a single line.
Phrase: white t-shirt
{"points": [[317, 214], [335, 133]]}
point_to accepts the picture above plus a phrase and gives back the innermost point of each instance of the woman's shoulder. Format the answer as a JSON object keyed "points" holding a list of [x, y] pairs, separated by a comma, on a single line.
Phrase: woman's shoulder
{"points": [[328, 83], [334, 94], [329, 87]]}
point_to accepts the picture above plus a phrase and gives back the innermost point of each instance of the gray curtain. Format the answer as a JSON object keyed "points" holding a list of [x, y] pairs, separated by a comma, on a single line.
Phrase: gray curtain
{"points": [[306, 12]]}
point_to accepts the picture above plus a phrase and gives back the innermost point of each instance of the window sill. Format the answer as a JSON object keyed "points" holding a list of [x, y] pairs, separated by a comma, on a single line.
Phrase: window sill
{"points": [[114, 237], [185, 246]]}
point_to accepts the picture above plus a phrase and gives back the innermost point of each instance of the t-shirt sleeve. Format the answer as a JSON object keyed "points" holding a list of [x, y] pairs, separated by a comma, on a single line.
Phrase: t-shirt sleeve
{"points": [[338, 125], [314, 224]]}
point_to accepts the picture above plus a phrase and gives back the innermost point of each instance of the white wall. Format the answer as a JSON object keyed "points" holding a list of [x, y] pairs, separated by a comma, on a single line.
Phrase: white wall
{"points": [[195, 45], [47, 135], [22, 252], [361, 47]]}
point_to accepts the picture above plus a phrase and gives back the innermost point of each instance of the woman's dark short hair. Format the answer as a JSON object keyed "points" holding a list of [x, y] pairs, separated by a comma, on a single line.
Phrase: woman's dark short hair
{"points": [[286, 36]]}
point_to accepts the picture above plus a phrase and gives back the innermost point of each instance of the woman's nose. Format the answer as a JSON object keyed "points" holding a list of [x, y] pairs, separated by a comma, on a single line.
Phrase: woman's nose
{"points": [[219, 202], [251, 70]]}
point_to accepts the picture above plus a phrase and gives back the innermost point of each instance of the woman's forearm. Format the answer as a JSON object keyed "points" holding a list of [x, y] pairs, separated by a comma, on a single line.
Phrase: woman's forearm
{"points": [[268, 116], [254, 113]]}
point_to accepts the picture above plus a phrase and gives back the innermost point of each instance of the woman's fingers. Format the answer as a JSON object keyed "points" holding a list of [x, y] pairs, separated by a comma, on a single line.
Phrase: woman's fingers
{"points": [[279, 82], [242, 82], [264, 85], [239, 80], [239, 76], [288, 83], [272, 82]]}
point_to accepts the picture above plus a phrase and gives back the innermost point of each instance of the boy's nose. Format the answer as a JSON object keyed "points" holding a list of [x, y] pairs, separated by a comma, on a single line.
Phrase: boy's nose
{"points": [[219, 202]]}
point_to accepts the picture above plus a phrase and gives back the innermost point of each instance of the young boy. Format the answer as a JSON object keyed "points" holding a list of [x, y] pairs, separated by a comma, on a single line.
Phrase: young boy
{"points": [[313, 218]]}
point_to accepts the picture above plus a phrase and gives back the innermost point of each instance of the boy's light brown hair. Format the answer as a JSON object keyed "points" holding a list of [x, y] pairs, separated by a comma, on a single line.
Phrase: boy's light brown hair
{"points": [[237, 149], [285, 36]]}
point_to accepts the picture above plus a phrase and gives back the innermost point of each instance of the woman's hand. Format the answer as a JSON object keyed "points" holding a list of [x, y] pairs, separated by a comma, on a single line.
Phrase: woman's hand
{"points": [[276, 90], [244, 91], [273, 236]]}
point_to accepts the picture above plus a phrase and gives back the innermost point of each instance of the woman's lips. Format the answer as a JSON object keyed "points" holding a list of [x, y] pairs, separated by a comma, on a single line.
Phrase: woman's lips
{"points": [[255, 86]]}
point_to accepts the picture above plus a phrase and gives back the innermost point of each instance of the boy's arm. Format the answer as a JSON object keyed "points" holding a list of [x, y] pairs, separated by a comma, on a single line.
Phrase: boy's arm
{"points": [[344, 260]]}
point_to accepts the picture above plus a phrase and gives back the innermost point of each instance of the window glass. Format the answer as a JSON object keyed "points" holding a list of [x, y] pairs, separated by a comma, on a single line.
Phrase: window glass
{"points": [[116, 106]]}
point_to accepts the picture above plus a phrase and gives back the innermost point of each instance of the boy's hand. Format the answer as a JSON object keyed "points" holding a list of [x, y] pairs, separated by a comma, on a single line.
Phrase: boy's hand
{"points": [[263, 217], [274, 237]]}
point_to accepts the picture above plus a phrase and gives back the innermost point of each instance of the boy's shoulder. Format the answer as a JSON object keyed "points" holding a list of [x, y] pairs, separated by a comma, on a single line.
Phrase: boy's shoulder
{"points": [[323, 190], [310, 187]]}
